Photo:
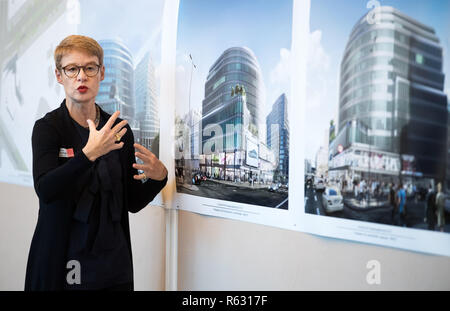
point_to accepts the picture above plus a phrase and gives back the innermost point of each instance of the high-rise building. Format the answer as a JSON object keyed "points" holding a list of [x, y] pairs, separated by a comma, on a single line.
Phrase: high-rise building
{"points": [[193, 121], [146, 101], [392, 105], [232, 103], [447, 183], [277, 126], [117, 89], [236, 66], [321, 160]]}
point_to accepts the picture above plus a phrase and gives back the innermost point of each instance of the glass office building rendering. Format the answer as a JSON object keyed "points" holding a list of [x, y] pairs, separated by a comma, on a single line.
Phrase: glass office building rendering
{"points": [[277, 126], [146, 101], [392, 108], [232, 101], [117, 89], [236, 66]]}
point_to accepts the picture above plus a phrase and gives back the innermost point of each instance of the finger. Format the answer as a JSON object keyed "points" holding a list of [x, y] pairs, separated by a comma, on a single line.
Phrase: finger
{"points": [[139, 166], [142, 156], [118, 126], [112, 119], [140, 176], [119, 135], [142, 149], [122, 132], [91, 125]]}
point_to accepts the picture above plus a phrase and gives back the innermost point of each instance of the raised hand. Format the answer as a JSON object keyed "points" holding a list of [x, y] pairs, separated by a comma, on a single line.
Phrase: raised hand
{"points": [[153, 168], [103, 141]]}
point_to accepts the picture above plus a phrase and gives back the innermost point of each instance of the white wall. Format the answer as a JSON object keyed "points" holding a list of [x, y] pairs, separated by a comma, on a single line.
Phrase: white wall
{"points": [[223, 254], [18, 215]]}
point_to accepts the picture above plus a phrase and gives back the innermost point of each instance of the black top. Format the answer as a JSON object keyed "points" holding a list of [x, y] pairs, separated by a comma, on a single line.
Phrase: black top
{"points": [[83, 206], [97, 240]]}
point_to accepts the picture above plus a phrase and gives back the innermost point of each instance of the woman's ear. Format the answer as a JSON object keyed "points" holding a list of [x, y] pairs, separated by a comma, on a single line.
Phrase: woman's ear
{"points": [[58, 76], [102, 73]]}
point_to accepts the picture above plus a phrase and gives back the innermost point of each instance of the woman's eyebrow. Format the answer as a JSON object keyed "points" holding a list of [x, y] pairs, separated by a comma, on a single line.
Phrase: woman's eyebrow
{"points": [[75, 64]]}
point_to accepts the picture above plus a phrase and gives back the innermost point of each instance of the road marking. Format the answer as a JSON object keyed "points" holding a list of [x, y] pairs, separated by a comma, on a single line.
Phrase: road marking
{"points": [[315, 198], [278, 206]]}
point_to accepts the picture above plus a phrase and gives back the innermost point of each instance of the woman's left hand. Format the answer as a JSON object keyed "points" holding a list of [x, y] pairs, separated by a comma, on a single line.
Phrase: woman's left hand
{"points": [[153, 168]]}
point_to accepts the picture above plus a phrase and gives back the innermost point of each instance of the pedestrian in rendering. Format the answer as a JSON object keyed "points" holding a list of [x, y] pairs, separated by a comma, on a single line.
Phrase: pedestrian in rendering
{"points": [[392, 202], [430, 208], [440, 207], [401, 203]]}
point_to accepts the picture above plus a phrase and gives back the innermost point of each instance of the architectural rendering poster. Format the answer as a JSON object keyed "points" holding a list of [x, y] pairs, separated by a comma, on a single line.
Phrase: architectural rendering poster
{"points": [[377, 151], [131, 40], [29, 32], [231, 110]]}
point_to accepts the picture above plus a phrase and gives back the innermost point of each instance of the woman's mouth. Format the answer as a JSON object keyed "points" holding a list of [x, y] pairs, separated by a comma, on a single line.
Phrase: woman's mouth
{"points": [[82, 89]]}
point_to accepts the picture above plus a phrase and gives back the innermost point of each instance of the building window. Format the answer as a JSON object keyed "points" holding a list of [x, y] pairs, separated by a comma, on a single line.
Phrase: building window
{"points": [[419, 58]]}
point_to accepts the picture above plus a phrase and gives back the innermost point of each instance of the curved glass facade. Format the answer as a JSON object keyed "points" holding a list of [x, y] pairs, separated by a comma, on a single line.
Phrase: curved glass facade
{"points": [[236, 66], [392, 84], [117, 89]]}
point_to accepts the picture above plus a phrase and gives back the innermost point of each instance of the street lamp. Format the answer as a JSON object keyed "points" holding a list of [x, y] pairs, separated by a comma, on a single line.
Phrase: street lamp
{"points": [[190, 81]]}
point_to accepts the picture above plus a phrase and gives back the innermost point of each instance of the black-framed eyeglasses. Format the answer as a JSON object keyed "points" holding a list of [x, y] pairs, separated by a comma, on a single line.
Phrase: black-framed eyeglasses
{"points": [[72, 71]]}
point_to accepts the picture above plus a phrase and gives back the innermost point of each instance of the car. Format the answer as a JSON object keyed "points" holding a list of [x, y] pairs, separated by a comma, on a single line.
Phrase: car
{"points": [[319, 184], [332, 200], [284, 188], [274, 187]]}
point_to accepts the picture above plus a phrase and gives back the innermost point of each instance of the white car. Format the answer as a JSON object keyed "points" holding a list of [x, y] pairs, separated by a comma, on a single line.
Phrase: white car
{"points": [[319, 184], [332, 200], [274, 187]]}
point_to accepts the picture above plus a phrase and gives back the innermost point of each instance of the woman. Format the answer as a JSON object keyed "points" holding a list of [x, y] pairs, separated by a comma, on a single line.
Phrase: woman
{"points": [[87, 181]]}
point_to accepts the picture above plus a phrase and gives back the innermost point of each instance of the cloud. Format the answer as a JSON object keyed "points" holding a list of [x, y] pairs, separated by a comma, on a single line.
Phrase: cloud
{"points": [[280, 80], [281, 73], [318, 64], [317, 57], [321, 93], [182, 85]]}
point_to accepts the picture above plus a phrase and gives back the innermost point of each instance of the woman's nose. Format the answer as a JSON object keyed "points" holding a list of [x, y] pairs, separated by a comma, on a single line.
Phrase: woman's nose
{"points": [[81, 75]]}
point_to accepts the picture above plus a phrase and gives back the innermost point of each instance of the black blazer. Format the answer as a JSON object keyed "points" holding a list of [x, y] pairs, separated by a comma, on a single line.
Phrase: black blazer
{"points": [[56, 182]]}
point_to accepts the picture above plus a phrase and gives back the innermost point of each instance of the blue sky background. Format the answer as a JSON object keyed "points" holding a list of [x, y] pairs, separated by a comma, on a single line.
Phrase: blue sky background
{"points": [[206, 28], [331, 22]]}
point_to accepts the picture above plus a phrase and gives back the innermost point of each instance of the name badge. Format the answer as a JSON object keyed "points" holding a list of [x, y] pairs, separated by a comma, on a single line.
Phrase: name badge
{"points": [[66, 153]]}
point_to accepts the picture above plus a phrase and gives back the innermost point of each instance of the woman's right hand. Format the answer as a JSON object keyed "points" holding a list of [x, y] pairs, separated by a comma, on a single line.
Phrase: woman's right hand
{"points": [[103, 141]]}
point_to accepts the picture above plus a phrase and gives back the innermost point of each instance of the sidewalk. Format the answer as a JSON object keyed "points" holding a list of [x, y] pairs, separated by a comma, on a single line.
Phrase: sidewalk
{"points": [[240, 184], [188, 186], [365, 205]]}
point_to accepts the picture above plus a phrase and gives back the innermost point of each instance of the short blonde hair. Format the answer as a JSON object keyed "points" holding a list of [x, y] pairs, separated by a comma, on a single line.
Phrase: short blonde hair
{"points": [[78, 43]]}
